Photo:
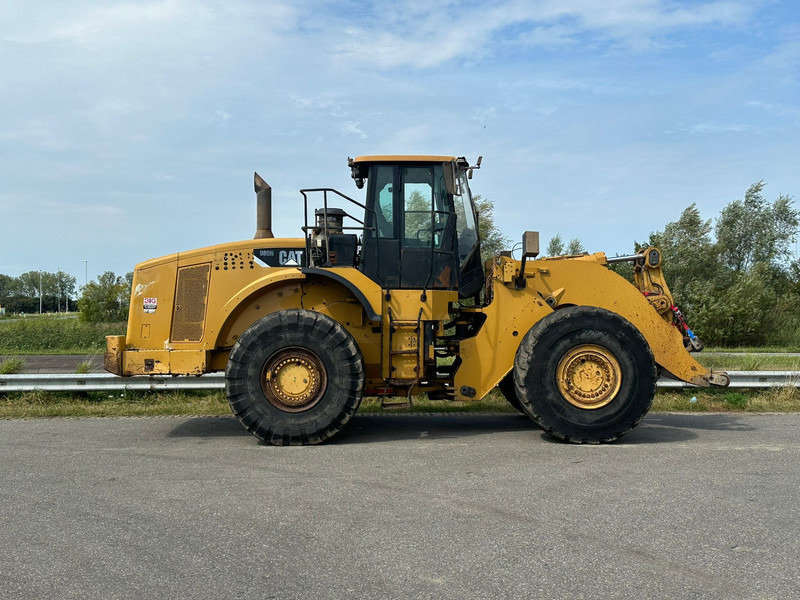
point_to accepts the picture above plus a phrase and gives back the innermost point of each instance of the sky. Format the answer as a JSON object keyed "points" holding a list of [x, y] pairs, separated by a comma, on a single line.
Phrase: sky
{"points": [[131, 130]]}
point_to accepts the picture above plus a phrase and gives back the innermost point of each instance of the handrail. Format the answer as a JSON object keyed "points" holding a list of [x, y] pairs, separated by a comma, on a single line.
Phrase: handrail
{"points": [[324, 229]]}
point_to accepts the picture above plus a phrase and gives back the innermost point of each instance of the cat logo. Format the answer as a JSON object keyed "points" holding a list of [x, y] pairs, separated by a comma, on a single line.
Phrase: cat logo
{"points": [[278, 257]]}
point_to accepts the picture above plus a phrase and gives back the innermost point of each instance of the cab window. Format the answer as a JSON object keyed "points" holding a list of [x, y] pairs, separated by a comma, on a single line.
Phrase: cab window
{"points": [[424, 205]]}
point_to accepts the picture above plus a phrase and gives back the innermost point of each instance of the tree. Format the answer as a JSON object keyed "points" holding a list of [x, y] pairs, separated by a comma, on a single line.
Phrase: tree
{"points": [[740, 288], [689, 257], [6, 283], [106, 300], [555, 247], [492, 239], [575, 247], [65, 289], [753, 231]]}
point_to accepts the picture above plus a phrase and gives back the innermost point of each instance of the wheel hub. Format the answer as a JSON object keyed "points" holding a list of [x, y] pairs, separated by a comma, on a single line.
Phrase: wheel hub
{"points": [[588, 376], [294, 379]]}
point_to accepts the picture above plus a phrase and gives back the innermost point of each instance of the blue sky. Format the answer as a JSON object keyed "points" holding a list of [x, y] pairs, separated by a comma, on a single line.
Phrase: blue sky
{"points": [[130, 130]]}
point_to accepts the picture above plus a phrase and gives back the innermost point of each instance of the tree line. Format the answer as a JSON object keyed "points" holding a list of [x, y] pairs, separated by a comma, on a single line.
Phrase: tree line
{"points": [[736, 280], [22, 294], [104, 300]]}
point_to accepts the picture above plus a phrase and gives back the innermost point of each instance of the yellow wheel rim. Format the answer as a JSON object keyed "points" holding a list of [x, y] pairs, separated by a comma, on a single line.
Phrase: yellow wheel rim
{"points": [[294, 379], [588, 376]]}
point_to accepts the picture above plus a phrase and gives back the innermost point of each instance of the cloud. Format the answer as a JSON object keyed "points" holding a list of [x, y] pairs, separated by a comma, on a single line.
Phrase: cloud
{"points": [[419, 39], [354, 128], [708, 129], [85, 23]]}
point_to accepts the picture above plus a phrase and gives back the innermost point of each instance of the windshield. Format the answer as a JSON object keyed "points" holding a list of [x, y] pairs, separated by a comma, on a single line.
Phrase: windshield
{"points": [[466, 227]]}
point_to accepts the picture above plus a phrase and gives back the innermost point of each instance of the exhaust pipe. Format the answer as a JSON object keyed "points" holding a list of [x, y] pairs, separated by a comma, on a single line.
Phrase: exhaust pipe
{"points": [[263, 208]]}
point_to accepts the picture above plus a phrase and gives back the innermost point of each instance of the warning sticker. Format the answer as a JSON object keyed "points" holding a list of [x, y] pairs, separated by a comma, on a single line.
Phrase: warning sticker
{"points": [[150, 305]]}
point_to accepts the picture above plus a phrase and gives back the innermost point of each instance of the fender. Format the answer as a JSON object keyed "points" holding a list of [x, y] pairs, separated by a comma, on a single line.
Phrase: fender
{"points": [[591, 284], [219, 326], [367, 292], [357, 283]]}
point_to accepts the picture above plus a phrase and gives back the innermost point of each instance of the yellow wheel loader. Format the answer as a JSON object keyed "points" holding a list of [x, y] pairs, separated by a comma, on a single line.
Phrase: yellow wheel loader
{"points": [[389, 297]]}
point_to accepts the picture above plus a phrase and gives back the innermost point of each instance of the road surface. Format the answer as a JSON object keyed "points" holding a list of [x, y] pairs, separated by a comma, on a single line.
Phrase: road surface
{"points": [[400, 506]]}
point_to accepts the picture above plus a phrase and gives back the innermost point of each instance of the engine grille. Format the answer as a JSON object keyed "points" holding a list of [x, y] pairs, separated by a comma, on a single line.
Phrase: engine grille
{"points": [[188, 319]]}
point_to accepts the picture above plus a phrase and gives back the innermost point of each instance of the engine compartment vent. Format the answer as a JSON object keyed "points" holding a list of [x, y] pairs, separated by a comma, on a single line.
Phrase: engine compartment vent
{"points": [[191, 297]]}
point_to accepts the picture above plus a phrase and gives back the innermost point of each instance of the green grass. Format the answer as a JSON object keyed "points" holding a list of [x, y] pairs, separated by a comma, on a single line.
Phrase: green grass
{"points": [[143, 404], [55, 335], [776, 399], [752, 349], [11, 365], [111, 404], [749, 362], [83, 367]]}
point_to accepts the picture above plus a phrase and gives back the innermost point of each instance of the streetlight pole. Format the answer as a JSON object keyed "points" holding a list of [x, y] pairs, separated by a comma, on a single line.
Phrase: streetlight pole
{"points": [[40, 292], [85, 273], [58, 290]]}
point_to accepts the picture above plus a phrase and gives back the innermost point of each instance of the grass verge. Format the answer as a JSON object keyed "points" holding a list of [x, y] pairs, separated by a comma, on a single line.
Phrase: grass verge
{"points": [[134, 404], [111, 404], [749, 362], [775, 399], [55, 335]]}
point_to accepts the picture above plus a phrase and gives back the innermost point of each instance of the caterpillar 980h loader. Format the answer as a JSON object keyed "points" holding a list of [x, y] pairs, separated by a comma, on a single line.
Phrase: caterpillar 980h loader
{"points": [[390, 298]]}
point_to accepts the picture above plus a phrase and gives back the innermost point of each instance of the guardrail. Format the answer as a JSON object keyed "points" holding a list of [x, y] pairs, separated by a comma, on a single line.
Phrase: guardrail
{"points": [[101, 382]]}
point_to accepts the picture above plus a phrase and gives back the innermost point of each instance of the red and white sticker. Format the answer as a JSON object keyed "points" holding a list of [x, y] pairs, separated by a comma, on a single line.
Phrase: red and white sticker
{"points": [[150, 305]]}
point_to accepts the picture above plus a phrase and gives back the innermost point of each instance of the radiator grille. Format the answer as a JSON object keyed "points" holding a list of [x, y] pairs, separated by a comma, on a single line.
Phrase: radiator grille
{"points": [[188, 319]]}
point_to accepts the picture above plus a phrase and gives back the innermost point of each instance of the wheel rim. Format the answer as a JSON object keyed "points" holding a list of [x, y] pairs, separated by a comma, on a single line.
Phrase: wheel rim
{"points": [[588, 376], [294, 379]]}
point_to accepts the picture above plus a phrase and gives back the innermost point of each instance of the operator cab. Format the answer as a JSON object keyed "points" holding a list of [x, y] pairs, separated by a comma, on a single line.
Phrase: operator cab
{"points": [[420, 225]]}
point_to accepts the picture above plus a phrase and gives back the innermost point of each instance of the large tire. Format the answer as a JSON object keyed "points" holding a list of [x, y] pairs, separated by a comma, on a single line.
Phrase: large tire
{"points": [[585, 375], [509, 391], [295, 377]]}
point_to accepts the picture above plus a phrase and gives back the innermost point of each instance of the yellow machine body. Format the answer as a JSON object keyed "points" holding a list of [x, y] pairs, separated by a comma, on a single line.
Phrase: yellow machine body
{"points": [[189, 310]]}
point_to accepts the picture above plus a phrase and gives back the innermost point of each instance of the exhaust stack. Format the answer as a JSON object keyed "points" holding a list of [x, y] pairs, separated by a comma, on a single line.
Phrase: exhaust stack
{"points": [[263, 208]]}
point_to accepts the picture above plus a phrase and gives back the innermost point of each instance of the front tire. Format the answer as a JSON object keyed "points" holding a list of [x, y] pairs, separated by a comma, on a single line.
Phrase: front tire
{"points": [[585, 375], [295, 377], [509, 391]]}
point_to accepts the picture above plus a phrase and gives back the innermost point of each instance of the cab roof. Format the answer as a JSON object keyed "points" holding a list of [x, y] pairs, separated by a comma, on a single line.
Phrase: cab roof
{"points": [[393, 158], [359, 166]]}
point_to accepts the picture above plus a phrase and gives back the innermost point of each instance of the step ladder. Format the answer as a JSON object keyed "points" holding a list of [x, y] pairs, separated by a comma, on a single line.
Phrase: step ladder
{"points": [[405, 369]]}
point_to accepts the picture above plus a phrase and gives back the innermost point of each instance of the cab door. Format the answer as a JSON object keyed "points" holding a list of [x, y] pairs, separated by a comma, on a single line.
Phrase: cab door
{"points": [[410, 240]]}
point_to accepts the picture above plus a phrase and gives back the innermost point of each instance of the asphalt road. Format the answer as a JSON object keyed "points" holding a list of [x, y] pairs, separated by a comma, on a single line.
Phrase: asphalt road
{"points": [[400, 506]]}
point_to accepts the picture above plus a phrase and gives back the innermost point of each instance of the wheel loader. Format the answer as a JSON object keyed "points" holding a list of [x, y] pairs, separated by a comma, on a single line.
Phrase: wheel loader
{"points": [[388, 296]]}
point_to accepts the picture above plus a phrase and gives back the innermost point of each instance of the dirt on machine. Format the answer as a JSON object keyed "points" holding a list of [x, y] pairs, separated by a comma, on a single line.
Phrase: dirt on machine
{"points": [[388, 296]]}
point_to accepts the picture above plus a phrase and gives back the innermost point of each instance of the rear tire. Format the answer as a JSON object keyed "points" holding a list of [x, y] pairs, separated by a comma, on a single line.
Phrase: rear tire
{"points": [[585, 375], [295, 377]]}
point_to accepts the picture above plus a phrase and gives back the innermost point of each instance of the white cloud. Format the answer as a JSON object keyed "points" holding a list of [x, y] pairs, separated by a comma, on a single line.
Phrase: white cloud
{"points": [[439, 35], [354, 128]]}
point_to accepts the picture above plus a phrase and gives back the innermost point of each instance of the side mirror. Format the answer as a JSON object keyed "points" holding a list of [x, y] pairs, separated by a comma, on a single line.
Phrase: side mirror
{"points": [[530, 248], [530, 244]]}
